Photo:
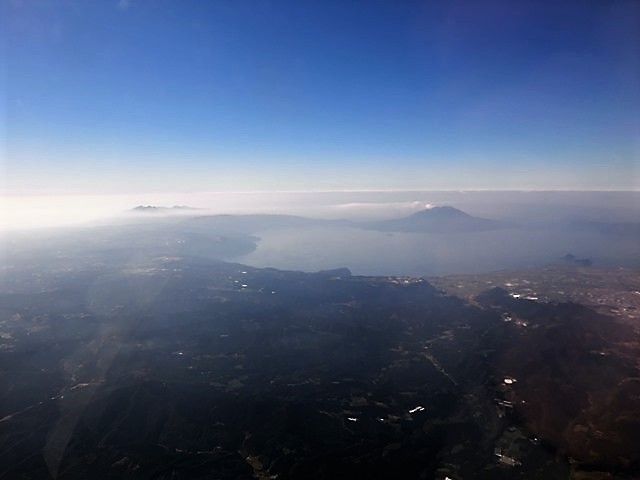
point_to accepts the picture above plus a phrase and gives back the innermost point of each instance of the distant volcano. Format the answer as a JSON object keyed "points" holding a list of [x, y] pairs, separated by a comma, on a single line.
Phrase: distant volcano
{"points": [[159, 209], [436, 220]]}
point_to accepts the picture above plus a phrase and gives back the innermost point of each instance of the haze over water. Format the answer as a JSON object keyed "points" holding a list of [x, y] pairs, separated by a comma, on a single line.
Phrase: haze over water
{"points": [[543, 227], [39, 211]]}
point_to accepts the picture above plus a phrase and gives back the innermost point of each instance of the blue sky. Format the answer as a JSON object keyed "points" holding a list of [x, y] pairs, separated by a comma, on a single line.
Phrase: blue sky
{"points": [[134, 96]]}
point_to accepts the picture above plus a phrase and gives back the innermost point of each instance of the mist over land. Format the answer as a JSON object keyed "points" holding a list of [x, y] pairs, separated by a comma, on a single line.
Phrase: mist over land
{"points": [[37, 211], [373, 233]]}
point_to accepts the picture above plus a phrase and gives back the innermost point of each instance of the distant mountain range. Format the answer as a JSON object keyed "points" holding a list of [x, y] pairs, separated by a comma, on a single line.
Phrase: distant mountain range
{"points": [[443, 219], [254, 223], [157, 209]]}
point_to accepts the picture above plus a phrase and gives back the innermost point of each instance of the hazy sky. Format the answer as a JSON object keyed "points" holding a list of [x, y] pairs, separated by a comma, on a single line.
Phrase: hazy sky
{"points": [[136, 96]]}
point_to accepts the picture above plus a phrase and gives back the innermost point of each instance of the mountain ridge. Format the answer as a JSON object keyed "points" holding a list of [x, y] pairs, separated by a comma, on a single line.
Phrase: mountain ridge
{"points": [[442, 219]]}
